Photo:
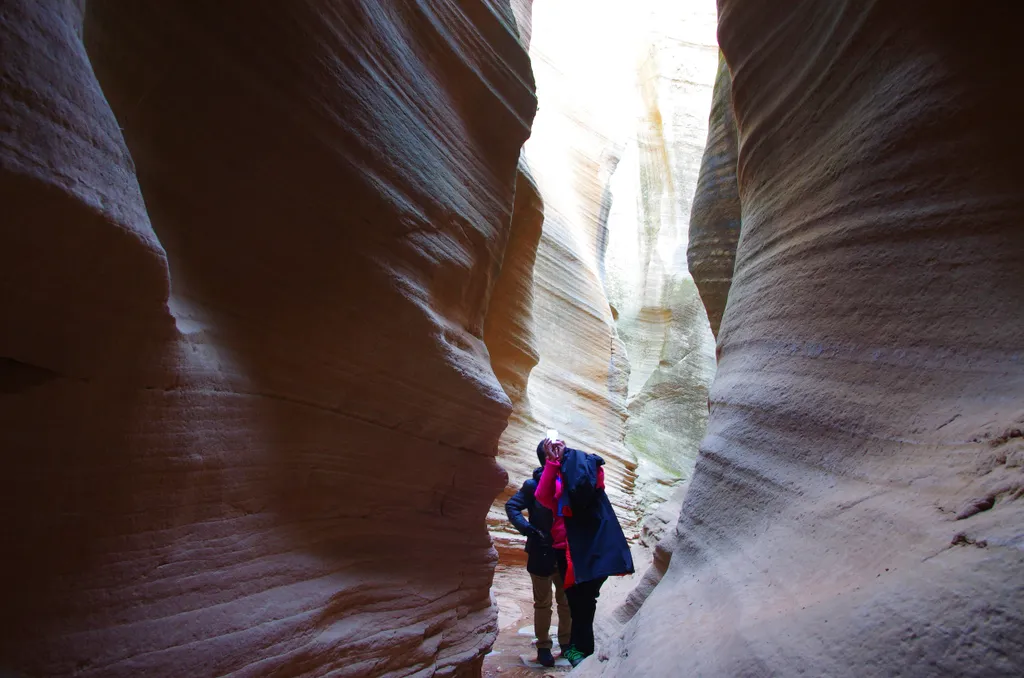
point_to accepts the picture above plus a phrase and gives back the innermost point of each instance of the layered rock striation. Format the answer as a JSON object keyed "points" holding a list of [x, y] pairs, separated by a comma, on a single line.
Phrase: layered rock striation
{"points": [[579, 383], [856, 505], [716, 215], [613, 153], [248, 414], [659, 315], [511, 342]]}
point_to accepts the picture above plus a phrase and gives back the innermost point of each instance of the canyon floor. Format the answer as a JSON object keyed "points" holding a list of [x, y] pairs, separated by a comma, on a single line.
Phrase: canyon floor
{"points": [[514, 595]]}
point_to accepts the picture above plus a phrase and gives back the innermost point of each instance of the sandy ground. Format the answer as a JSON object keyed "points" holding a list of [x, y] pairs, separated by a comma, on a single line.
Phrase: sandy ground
{"points": [[514, 595]]}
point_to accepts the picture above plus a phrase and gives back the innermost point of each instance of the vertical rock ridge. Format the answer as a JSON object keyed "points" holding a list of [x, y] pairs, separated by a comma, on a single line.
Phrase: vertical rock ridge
{"points": [[715, 219], [578, 386], [511, 342], [509, 329]]}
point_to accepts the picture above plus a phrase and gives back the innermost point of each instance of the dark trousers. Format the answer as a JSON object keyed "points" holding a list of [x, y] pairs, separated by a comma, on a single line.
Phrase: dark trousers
{"points": [[582, 598]]}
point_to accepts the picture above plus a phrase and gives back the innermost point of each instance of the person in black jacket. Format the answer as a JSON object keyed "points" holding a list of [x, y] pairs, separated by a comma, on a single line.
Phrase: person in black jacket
{"points": [[542, 565]]}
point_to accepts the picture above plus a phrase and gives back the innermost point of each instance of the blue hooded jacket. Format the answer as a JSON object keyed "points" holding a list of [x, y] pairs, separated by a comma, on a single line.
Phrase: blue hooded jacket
{"points": [[596, 543]]}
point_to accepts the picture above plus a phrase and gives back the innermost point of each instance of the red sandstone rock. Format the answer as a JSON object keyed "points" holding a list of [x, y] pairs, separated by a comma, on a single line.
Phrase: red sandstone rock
{"points": [[871, 367], [247, 412]]}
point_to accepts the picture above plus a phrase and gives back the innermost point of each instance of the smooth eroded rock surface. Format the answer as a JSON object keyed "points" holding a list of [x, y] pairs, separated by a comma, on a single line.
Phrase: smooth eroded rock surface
{"points": [[247, 413], [510, 338], [615, 153], [659, 316], [715, 218], [856, 508]]}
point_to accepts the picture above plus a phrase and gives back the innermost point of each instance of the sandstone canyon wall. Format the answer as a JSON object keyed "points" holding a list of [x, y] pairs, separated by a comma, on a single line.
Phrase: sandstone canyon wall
{"points": [[579, 384], [716, 217], [247, 415], [856, 507], [511, 342], [658, 312], [625, 354]]}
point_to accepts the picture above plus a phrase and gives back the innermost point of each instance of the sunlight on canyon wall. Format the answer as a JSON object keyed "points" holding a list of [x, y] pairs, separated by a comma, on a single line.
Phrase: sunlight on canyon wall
{"points": [[625, 352]]}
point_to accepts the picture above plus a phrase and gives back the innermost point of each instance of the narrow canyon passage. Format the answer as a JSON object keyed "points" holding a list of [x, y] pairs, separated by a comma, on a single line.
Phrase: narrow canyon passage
{"points": [[290, 291], [622, 351]]}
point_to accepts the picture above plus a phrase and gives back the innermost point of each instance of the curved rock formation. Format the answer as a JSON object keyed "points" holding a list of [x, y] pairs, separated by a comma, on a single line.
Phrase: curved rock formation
{"points": [[668, 416], [715, 218], [511, 342], [579, 384], [613, 302], [856, 507], [247, 412], [660, 318]]}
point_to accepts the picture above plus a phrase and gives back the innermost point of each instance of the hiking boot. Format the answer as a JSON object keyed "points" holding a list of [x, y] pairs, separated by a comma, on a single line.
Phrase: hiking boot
{"points": [[544, 657], [574, 656]]}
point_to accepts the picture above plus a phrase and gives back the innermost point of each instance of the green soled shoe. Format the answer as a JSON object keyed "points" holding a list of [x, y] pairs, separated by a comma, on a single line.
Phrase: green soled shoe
{"points": [[574, 656]]}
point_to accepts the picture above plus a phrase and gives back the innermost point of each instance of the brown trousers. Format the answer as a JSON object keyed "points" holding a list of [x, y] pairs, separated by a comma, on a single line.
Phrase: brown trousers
{"points": [[542, 610]]}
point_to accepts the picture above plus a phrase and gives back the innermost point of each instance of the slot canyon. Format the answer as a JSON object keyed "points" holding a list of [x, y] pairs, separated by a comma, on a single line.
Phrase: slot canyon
{"points": [[291, 290]]}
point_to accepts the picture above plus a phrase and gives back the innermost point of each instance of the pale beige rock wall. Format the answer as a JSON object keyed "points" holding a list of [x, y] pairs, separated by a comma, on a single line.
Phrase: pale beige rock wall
{"points": [[659, 315], [247, 413], [856, 506], [615, 150], [577, 386]]}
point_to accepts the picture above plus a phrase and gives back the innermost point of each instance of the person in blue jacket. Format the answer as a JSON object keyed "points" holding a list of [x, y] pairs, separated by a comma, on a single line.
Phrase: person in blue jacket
{"points": [[542, 564], [587, 533]]}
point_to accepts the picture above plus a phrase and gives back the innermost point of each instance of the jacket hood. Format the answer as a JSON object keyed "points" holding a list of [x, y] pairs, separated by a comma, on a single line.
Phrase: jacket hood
{"points": [[536, 473]]}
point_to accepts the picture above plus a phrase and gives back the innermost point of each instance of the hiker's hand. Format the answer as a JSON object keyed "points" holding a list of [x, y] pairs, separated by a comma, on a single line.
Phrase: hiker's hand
{"points": [[549, 450], [541, 536], [553, 449]]}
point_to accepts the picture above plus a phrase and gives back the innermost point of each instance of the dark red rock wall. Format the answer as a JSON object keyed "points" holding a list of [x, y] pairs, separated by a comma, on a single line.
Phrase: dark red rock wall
{"points": [[857, 504], [247, 414]]}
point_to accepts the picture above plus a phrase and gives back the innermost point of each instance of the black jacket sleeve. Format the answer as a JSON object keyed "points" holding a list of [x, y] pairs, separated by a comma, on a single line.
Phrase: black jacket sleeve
{"points": [[517, 503]]}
